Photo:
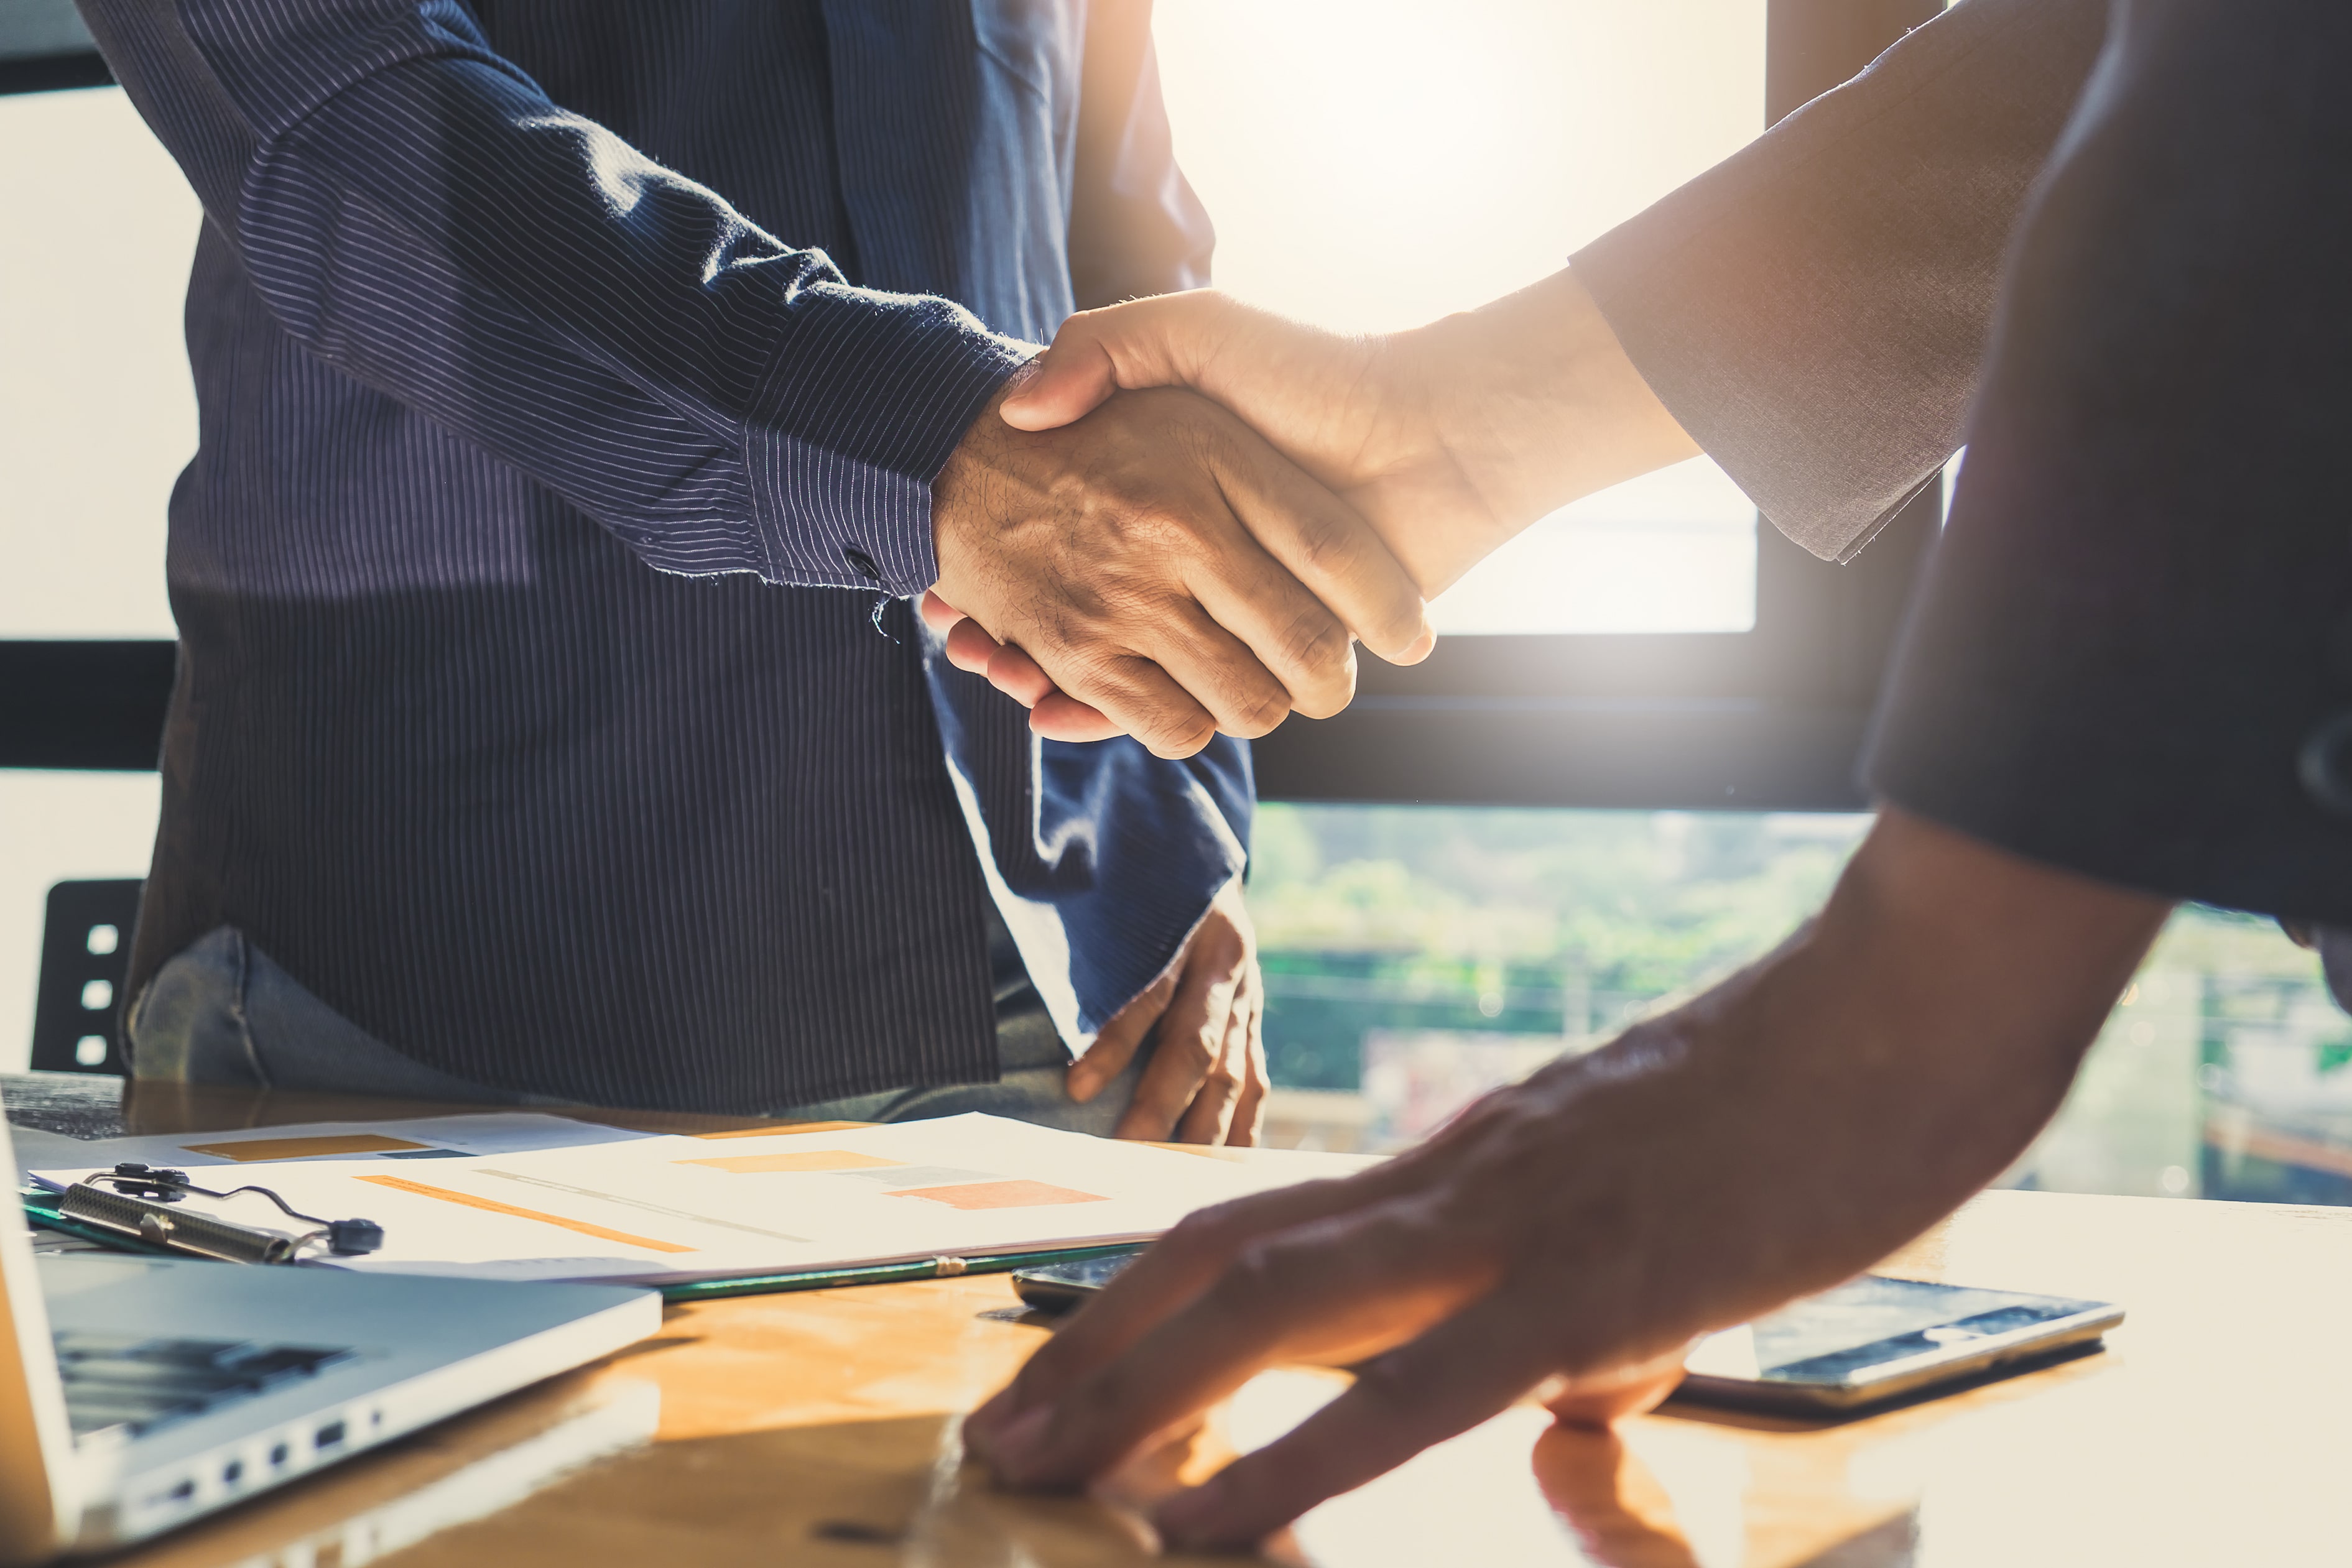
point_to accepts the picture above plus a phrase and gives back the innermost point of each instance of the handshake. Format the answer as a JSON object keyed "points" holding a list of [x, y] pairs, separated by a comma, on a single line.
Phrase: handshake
{"points": [[1180, 518]]}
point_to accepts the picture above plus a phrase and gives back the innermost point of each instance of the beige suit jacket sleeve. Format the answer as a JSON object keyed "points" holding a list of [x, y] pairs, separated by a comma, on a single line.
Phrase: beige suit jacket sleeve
{"points": [[1814, 310]]}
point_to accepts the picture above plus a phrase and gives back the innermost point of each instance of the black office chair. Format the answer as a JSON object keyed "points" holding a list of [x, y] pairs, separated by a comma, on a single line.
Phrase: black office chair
{"points": [[85, 957]]}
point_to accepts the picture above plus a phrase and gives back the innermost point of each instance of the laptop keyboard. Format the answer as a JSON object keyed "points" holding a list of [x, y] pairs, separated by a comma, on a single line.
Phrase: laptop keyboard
{"points": [[133, 1383]]}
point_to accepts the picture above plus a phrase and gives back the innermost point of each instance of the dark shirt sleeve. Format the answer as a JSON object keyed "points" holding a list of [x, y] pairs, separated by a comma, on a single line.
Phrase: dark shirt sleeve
{"points": [[2132, 656], [416, 212], [1813, 310]]}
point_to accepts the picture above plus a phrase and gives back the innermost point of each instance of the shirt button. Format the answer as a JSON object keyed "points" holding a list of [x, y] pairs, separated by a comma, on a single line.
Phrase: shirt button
{"points": [[2324, 765]]}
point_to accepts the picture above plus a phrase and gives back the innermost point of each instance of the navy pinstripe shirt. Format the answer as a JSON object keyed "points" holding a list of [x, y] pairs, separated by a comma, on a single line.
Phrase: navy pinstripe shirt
{"points": [[559, 363]]}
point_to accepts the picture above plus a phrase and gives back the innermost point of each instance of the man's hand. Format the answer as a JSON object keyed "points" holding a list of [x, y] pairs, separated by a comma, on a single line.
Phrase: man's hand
{"points": [[1206, 1080], [1567, 1238], [1127, 557], [1448, 439]]}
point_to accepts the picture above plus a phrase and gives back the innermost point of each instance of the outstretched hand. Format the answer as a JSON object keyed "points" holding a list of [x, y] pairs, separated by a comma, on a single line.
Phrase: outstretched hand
{"points": [[1127, 556], [1446, 439], [1569, 1236]]}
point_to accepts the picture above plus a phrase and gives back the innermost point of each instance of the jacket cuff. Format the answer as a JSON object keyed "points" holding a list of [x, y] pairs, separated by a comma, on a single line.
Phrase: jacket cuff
{"points": [[1813, 310], [866, 398]]}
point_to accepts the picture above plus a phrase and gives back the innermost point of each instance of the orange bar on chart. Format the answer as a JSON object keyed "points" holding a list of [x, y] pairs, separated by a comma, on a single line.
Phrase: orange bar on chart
{"points": [[803, 1160], [492, 1206], [1000, 1195], [250, 1149]]}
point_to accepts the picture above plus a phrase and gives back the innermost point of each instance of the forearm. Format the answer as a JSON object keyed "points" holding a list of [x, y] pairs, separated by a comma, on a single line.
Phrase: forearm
{"points": [[1570, 1234], [415, 210], [1535, 401], [1893, 1058], [1814, 310]]}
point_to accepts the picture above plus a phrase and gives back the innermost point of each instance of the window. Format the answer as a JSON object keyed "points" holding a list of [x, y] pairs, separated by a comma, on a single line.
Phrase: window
{"points": [[97, 412], [1373, 163], [1368, 168], [97, 418], [1418, 957], [1674, 655]]}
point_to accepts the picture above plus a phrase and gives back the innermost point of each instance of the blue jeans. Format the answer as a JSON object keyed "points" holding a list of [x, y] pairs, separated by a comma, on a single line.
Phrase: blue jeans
{"points": [[220, 1012]]}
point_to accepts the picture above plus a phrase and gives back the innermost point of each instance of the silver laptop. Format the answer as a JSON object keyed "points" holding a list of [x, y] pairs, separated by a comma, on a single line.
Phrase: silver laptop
{"points": [[139, 1392]]}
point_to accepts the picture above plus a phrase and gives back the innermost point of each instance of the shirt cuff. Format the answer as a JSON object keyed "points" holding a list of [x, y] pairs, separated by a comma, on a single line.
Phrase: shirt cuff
{"points": [[867, 397]]}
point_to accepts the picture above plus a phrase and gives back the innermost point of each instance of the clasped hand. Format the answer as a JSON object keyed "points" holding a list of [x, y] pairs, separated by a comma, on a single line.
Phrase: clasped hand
{"points": [[1159, 563], [1168, 564]]}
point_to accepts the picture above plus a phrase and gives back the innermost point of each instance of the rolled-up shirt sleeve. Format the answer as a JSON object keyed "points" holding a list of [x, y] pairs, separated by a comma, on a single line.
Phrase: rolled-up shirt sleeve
{"points": [[1813, 310], [416, 211]]}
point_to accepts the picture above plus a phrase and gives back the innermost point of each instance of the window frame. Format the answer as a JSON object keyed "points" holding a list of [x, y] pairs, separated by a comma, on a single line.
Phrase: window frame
{"points": [[1771, 718]]}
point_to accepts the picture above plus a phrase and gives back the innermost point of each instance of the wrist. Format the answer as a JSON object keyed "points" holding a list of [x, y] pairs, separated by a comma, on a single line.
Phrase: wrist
{"points": [[1537, 401], [958, 492]]}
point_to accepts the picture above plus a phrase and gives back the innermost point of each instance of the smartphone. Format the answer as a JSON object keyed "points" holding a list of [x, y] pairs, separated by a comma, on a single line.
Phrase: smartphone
{"points": [[1058, 1287], [1866, 1342]]}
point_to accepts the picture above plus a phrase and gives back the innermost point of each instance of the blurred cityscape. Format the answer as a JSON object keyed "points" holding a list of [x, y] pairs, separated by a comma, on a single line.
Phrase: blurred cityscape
{"points": [[1417, 956]]}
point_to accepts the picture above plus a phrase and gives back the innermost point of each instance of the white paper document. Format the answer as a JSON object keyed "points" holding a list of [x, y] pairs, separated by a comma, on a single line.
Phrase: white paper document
{"points": [[420, 1138], [669, 1209]]}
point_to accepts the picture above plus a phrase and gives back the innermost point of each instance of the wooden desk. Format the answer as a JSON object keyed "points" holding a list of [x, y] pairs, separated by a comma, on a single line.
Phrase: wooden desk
{"points": [[821, 1429]]}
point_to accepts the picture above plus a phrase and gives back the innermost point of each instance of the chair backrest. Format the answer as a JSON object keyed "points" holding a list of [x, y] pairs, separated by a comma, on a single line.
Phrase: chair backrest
{"points": [[84, 957]]}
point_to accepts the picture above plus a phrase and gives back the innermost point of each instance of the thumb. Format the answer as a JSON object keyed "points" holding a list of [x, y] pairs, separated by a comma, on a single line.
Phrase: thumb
{"points": [[1153, 342], [1067, 383]]}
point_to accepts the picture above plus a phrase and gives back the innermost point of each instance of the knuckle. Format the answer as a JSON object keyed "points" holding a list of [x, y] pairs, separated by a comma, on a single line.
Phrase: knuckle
{"points": [[1316, 641], [1261, 1274], [1389, 1383], [1219, 1232], [1325, 698], [1212, 1230], [1258, 712], [1158, 530], [1323, 545], [1174, 742]]}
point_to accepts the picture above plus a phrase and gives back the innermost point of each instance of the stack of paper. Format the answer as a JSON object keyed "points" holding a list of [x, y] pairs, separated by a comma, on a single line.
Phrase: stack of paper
{"points": [[663, 1209], [415, 1138]]}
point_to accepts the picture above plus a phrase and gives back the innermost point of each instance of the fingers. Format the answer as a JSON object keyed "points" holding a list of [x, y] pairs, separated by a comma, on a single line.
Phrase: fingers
{"points": [[1114, 556], [1224, 671], [1154, 342], [1598, 1399], [937, 613], [1172, 341], [1332, 556], [1249, 1024], [1069, 381], [1016, 674], [1141, 699], [1352, 1285], [1442, 1384], [1160, 1283], [1057, 717], [970, 648], [1216, 1111], [1115, 1044], [1187, 1049]]}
